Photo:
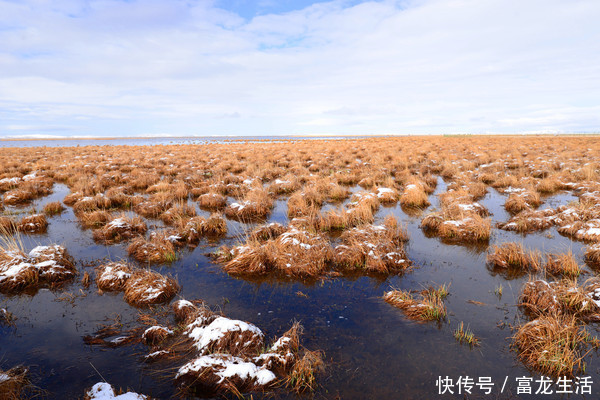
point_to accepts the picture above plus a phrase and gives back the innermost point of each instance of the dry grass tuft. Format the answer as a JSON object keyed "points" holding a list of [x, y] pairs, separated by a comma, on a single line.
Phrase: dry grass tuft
{"points": [[119, 229], [512, 260], [94, 219], [33, 224], [530, 221], [257, 204], [212, 201], [414, 195], [552, 345], [521, 201], [157, 249], [145, 288], [373, 249], [562, 265], [156, 335], [267, 232], [178, 212], [113, 276], [430, 306], [302, 377], [14, 383], [592, 255], [295, 253], [44, 265], [53, 208]]}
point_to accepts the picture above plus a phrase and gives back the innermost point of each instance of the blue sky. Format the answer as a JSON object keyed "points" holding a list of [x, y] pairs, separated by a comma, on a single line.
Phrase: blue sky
{"points": [[228, 67]]}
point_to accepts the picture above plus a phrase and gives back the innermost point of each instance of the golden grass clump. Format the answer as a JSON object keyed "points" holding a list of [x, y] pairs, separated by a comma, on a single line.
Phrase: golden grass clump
{"points": [[113, 276], [257, 204], [564, 296], [414, 195], [53, 208], [286, 185], [156, 335], [212, 201], [7, 225], [196, 228], [302, 377], [215, 224], [512, 260], [267, 232], [90, 203], [465, 335], [562, 265], [119, 229], [592, 255], [94, 219], [178, 212], [585, 231], [387, 195], [158, 248], [303, 204], [205, 375], [283, 352], [43, 265], [466, 226], [373, 249], [152, 208], [36, 223], [14, 383], [523, 200], [429, 307], [530, 221], [146, 288], [552, 345], [185, 310], [295, 253]]}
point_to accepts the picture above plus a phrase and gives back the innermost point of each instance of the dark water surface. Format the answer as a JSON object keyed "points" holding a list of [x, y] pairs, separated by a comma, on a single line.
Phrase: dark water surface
{"points": [[372, 350]]}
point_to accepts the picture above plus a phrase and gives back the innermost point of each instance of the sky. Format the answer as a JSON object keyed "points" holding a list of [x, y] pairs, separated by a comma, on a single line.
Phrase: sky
{"points": [[106, 68]]}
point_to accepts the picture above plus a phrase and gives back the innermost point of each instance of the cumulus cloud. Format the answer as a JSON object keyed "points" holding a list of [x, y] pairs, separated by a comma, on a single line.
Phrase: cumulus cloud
{"points": [[194, 67]]}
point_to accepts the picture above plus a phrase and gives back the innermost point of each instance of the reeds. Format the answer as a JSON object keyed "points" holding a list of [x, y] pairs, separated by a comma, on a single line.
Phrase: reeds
{"points": [[512, 260], [552, 345], [53, 208], [465, 335], [562, 265], [429, 306], [302, 377]]}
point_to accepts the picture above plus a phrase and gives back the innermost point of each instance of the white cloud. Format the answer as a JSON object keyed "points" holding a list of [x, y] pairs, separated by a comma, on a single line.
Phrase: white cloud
{"points": [[424, 66]]}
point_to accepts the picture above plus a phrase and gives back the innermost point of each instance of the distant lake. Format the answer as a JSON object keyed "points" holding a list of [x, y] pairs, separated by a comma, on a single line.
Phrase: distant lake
{"points": [[157, 141]]}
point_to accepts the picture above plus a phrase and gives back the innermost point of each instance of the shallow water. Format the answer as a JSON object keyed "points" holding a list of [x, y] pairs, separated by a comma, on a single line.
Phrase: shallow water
{"points": [[372, 350], [142, 141]]}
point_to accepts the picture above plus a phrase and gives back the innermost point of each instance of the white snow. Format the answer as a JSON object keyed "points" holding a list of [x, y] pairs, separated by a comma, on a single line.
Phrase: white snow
{"points": [[204, 336], [227, 366], [104, 391]]}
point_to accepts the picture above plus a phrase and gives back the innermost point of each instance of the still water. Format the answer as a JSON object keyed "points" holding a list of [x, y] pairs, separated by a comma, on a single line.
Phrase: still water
{"points": [[372, 351]]}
